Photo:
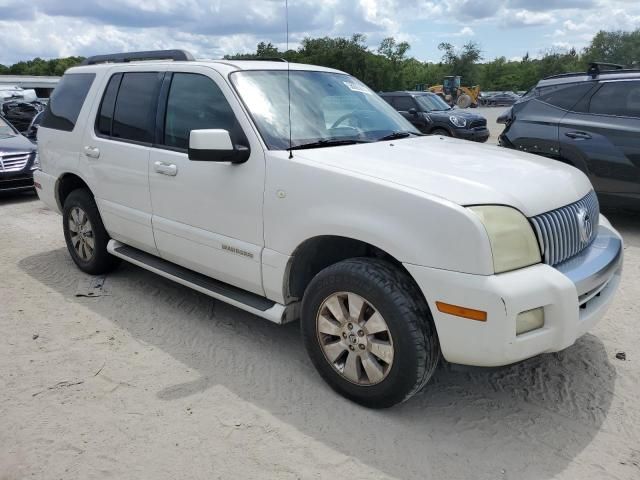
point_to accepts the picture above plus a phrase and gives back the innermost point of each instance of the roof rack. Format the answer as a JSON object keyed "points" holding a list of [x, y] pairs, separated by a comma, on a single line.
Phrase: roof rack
{"points": [[176, 55], [262, 59], [594, 68]]}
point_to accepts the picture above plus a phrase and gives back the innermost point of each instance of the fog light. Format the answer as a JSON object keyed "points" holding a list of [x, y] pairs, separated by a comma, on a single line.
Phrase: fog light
{"points": [[529, 320]]}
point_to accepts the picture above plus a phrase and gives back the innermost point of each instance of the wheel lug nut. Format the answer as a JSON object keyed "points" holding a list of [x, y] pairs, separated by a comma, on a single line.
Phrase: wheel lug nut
{"points": [[351, 347], [350, 326], [360, 333], [361, 346], [344, 335]]}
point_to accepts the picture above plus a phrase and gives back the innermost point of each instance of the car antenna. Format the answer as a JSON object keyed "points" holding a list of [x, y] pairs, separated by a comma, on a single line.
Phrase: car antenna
{"points": [[286, 9]]}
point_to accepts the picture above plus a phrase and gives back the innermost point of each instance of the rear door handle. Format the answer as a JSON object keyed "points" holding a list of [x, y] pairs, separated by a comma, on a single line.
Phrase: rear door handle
{"points": [[166, 168], [578, 135], [92, 152]]}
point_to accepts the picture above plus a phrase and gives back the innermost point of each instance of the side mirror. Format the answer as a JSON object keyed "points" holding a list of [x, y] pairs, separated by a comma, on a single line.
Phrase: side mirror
{"points": [[215, 145], [413, 111]]}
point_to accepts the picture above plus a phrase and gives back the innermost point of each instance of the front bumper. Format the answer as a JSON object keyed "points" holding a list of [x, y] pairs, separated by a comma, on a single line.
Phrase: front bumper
{"points": [[474, 134], [15, 182], [574, 296]]}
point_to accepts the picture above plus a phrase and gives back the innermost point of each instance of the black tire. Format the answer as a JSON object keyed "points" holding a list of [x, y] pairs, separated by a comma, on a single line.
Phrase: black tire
{"points": [[441, 131], [100, 261], [397, 298]]}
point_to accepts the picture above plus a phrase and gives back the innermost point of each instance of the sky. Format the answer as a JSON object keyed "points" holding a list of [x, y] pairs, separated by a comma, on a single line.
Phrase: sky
{"points": [[213, 28]]}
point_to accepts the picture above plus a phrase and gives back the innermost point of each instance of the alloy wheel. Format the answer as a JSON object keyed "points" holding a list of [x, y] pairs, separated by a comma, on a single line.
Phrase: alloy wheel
{"points": [[355, 338]]}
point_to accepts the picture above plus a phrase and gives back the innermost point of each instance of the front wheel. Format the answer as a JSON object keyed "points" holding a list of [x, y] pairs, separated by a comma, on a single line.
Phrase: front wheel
{"points": [[369, 332], [441, 131]]}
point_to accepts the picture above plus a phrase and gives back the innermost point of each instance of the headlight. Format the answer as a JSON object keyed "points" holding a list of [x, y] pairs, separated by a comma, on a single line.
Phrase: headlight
{"points": [[458, 121], [513, 242]]}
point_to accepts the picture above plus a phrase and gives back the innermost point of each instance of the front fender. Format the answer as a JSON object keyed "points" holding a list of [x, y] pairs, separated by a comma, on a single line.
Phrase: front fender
{"points": [[304, 199]]}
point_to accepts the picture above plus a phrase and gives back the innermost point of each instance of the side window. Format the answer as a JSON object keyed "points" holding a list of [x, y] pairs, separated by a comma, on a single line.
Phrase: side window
{"points": [[404, 104], [134, 115], [564, 96], [66, 101], [195, 102], [388, 99], [104, 119], [617, 98]]}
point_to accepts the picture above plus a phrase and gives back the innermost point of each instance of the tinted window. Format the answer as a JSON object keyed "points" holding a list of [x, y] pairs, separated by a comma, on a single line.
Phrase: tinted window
{"points": [[195, 102], [105, 115], [387, 99], [66, 101], [564, 96], [404, 104], [135, 112], [619, 98]]}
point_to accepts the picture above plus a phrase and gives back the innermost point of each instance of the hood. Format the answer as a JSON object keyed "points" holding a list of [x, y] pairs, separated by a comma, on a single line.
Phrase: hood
{"points": [[462, 172], [439, 115], [18, 143]]}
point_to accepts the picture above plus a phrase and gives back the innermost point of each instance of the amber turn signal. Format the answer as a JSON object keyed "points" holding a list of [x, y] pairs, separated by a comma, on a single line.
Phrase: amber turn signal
{"points": [[463, 312]]}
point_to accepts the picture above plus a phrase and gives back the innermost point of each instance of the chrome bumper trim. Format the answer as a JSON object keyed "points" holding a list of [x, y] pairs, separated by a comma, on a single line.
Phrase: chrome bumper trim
{"points": [[596, 264]]}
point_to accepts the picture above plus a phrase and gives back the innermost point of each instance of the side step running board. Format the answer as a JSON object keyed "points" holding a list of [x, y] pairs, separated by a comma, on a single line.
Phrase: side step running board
{"points": [[250, 302]]}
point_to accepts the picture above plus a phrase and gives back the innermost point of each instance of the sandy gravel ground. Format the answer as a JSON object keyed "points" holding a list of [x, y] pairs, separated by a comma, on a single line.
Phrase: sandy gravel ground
{"points": [[155, 381]]}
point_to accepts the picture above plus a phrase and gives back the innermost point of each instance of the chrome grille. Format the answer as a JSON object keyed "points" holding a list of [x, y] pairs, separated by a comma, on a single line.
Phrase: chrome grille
{"points": [[565, 232], [14, 162]]}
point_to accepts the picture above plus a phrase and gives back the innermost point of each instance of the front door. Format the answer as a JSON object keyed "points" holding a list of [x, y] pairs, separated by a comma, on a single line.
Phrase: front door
{"points": [[207, 216]]}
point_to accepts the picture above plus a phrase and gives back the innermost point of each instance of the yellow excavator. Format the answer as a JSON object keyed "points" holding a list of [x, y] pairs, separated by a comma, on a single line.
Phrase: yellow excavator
{"points": [[455, 94]]}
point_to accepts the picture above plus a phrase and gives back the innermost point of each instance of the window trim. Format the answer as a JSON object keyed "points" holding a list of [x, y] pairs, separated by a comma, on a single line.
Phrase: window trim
{"points": [[161, 112], [104, 91]]}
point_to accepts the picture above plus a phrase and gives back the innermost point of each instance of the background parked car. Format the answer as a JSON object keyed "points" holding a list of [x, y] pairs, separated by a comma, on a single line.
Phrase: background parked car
{"points": [[432, 115], [20, 114], [589, 121], [18, 159], [501, 99]]}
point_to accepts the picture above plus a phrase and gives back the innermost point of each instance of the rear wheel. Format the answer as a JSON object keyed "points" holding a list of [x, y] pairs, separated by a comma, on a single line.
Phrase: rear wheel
{"points": [[369, 332], [85, 234]]}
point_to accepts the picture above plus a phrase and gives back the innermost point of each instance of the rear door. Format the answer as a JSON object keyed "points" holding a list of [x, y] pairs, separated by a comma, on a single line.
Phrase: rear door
{"points": [[535, 128], [602, 137], [116, 149], [207, 216]]}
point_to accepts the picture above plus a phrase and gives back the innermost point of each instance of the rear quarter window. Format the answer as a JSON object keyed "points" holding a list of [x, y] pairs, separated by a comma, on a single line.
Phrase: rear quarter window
{"points": [[67, 100], [564, 96]]}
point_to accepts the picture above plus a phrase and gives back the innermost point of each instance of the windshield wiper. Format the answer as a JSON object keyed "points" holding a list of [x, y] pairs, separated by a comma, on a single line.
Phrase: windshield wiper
{"points": [[396, 135], [327, 142]]}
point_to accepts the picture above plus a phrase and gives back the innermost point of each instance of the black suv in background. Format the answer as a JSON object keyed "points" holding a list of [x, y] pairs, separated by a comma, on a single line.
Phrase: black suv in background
{"points": [[430, 114], [589, 120]]}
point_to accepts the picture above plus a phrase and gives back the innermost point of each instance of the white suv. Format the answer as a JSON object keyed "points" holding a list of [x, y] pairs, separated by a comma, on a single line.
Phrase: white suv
{"points": [[294, 191]]}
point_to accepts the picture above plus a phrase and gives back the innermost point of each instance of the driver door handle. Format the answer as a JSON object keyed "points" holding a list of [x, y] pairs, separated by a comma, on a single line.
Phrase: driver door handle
{"points": [[166, 168], [578, 135]]}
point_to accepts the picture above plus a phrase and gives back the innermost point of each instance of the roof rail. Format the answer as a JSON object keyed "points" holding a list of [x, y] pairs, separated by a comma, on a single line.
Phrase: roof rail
{"points": [[262, 59], [175, 55], [594, 68]]}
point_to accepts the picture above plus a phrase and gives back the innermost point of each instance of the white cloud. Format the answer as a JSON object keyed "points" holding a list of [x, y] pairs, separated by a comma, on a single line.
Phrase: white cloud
{"points": [[212, 28]]}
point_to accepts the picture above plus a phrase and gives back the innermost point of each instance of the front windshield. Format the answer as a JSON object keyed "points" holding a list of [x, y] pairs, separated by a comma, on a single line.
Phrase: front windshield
{"points": [[325, 107], [6, 130], [432, 103]]}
